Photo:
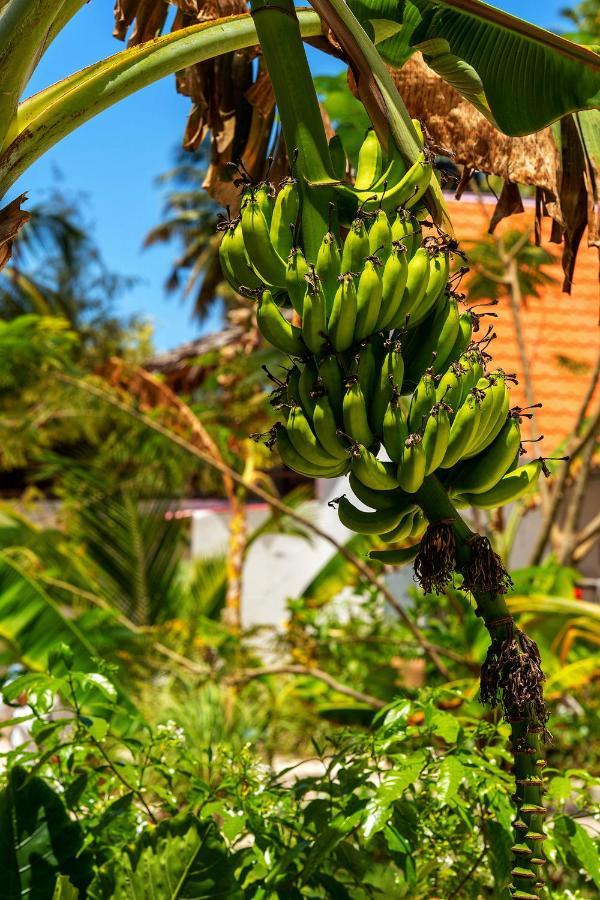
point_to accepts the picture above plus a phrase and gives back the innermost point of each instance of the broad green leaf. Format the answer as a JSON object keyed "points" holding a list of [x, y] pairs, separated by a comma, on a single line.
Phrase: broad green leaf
{"points": [[392, 787], [38, 841], [443, 724], [181, 858], [520, 76], [33, 622], [50, 115], [449, 779], [64, 890], [582, 845]]}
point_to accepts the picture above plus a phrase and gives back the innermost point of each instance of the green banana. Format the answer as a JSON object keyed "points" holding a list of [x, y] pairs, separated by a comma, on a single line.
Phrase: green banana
{"points": [[450, 387], [325, 427], [463, 429], [403, 529], [373, 498], [484, 472], [473, 366], [422, 400], [370, 162], [285, 215], [491, 402], [265, 260], [397, 556], [276, 328], [368, 299], [373, 472], [234, 261], [304, 441], [416, 285], [447, 335], [342, 320], [295, 278], [330, 376], [356, 420], [436, 334], [368, 522], [439, 270], [393, 283], [314, 316], [406, 230], [294, 460], [510, 488], [380, 236], [263, 194], [407, 191], [436, 436], [356, 247], [411, 469], [500, 412], [389, 380], [395, 430], [329, 262], [293, 387], [463, 339]]}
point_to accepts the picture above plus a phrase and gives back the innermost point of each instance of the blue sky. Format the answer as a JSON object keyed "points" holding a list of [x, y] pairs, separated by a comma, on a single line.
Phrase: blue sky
{"points": [[114, 159]]}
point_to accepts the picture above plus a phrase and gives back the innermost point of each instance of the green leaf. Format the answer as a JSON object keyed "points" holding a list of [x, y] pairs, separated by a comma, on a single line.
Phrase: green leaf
{"points": [[38, 841], [33, 622], [392, 787], [449, 779], [443, 724], [585, 850], [181, 858], [64, 890], [520, 76], [50, 115]]}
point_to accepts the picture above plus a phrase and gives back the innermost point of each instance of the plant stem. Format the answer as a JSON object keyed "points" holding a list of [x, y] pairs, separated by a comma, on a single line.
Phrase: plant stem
{"points": [[283, 52], [527, 732]]}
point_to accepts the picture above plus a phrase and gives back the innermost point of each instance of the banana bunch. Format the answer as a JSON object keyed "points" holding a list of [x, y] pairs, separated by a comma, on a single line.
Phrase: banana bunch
{"points": [[385, 382]]}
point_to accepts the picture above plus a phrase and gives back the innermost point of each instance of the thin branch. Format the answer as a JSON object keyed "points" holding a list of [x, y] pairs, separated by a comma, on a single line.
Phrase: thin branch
{"points": [[589, 531], [365, 570], [247, 674], [575, 506]]}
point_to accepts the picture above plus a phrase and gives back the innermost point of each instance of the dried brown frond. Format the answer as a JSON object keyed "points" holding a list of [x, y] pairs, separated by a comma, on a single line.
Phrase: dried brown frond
{"points": [[484, 570], [436, 560]]}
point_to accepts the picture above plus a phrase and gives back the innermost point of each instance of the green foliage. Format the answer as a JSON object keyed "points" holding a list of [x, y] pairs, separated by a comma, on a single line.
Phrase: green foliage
{"points": [[347, 114]]}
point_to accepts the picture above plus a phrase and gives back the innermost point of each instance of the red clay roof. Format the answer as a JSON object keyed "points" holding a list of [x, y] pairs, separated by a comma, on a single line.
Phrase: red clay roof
{"points": [[557, 327]]}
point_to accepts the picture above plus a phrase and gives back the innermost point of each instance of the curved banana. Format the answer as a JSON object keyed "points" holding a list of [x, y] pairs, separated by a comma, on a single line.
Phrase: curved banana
{"points": [[356, 420], [363, 522], [463, 430], [439, 269], [484, 472], [325, 427], [265, 260], [511, 487], [328, 268], [396, 556], [368, 299], [450, 387], [356, 247], [411, 469], [416, 285], [406, 229], [395, 430], [342, 320], [234, 260], [463, 339], [374, 498], [314, 315], [393, 283], [373, 472], [370, 162], [276, 329], [387, 384], [422, 401], [380, 236], [294, 460], [296, 271], [436, 436], [306, 388], [285, 215], [304, 441]]}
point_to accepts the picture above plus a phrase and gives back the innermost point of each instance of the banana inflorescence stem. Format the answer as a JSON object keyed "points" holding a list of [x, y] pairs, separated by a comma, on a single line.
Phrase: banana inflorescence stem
{"points": [[512, 677], [285, 58]]}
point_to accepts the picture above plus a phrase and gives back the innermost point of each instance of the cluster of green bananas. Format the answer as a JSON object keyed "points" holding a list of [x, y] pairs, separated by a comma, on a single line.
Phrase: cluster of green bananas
{"points": [[382, 358]]}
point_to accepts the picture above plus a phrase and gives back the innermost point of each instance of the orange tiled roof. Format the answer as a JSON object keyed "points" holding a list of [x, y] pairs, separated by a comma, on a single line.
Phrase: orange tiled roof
{"points": [[556, 326]]}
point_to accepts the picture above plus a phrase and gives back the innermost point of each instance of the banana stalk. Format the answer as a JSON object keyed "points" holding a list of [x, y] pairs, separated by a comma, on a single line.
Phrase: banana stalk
{"points": [[527, 727]]}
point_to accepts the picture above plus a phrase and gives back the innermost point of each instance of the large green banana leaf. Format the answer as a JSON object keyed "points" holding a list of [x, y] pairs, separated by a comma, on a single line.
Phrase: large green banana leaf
{"points": [[520, 76], [182, 857]]}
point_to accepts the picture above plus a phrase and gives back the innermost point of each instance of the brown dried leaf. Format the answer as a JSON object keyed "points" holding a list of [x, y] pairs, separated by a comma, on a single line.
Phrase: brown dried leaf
{"points": [[12, 219]]}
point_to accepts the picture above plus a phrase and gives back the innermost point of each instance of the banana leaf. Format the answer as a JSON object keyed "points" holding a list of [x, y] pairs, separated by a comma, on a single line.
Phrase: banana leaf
{"points": [[519, 76]]}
